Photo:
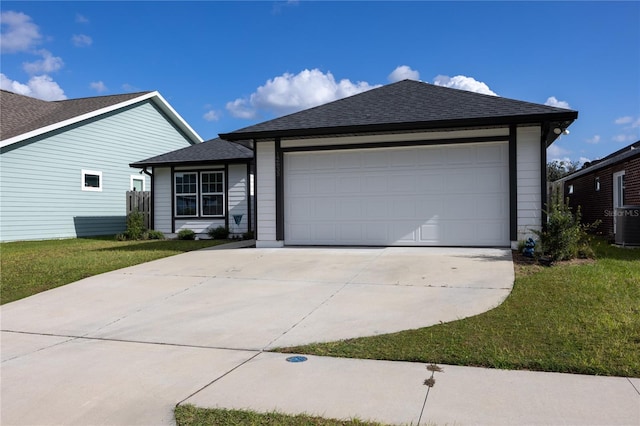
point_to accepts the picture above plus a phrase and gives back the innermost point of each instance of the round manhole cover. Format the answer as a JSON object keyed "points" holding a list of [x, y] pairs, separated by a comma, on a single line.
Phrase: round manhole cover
{"points": [[297, 359]]}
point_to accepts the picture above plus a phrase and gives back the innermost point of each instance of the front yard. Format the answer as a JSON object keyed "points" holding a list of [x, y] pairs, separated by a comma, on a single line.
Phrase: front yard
{"points": [[576, 317], [30, 267]]}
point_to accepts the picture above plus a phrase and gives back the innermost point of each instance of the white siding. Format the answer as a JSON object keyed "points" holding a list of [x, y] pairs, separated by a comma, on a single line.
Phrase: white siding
{"points": [[266, 193], [162, 199], [238, 198], [41, 195], [528, 178], [401, 137]]}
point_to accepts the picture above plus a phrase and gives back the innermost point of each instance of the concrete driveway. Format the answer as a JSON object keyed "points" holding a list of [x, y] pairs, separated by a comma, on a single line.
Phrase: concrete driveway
{"points": [[126, 346]]}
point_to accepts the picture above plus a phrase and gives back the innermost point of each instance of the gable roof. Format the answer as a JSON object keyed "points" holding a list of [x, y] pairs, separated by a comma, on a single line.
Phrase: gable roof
{"points": [[24, 117], [405, 106], [212, 151], [625, 153]]}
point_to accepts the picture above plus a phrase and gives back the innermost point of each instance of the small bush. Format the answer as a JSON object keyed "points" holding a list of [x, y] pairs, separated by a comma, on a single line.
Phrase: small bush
{"points": [[219, 233], [152, 234], [186, 234], [248, 235], [565, 237], [135, 226]]}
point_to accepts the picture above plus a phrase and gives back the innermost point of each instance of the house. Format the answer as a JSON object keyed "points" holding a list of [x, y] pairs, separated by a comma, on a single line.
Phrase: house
{"points": [[603, 185], [201, 187], [406, 164], [65, 164]]}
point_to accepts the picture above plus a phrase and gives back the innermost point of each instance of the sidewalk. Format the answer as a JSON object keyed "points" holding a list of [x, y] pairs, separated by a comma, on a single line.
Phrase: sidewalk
{"points": [[394, 393]]}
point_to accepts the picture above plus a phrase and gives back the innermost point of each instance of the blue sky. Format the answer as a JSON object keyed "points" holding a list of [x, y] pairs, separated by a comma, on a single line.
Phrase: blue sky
{"points": [[227, 65]]}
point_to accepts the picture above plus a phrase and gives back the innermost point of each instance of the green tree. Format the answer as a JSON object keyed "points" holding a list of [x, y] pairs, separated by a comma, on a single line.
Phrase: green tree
{"points": [[558, 169]]}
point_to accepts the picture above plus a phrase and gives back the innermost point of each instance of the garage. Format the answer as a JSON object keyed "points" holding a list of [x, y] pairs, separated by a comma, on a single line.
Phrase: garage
{"points": [[434, 195]]}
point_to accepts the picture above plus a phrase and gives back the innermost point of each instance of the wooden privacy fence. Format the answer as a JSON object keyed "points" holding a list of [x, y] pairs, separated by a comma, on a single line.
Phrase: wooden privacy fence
{"points": [[140, 201]]}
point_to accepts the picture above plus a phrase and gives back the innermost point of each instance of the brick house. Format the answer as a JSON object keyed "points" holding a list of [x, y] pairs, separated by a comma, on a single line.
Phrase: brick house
{"points": [[602, 185]]}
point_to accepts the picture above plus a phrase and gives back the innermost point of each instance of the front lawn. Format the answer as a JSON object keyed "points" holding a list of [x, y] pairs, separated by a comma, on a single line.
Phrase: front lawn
{"points": [[188, 415], [29, 267], [571, 318]]}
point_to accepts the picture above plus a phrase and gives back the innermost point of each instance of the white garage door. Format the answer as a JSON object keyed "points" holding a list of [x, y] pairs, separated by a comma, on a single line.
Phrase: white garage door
{"points": [[445, 195]]}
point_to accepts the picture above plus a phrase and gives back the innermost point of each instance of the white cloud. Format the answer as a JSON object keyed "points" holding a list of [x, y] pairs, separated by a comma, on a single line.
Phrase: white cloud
{"points": [[47, 64], [294, 92], [98, 86], [211, 115], [81, 40], [130, 88], [556, 152], [464, 83], [403, 72], [633, 122], [624, 120], [19, 33], [552, 101], [624, 138], [583, 160], [81, 19], [41, 87], [594, 140], [240, 108]]}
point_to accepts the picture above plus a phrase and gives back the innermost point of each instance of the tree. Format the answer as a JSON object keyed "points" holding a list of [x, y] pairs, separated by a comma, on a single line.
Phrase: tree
{"points": [[558, 169]]}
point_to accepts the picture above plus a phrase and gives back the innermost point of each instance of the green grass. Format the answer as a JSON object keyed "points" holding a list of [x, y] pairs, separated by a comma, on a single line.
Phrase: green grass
{"points": [[30, 267], [188, 415], [571, 318]]}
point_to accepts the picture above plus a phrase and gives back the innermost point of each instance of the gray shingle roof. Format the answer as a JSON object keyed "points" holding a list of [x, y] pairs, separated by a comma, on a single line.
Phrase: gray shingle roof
{"points": [[212, 151], [405, 105], [22, 114]]}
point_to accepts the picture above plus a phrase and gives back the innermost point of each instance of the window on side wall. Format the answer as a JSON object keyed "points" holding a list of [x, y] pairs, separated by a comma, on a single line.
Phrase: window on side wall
{"points": [[137, 183], [212, 194], [91, 180], [570, 189], [597, 184], [186, 190]]}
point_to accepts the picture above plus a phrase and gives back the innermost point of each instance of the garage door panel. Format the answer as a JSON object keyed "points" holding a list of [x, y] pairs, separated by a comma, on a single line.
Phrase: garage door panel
{"points": [[405, 196]]}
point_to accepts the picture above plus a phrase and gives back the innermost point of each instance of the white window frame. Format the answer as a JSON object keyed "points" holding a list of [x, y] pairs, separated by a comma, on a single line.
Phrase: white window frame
{"points": [[222, 193], [597, 184], [83, 175], [176, 194], [570, 189], [140, 178]]}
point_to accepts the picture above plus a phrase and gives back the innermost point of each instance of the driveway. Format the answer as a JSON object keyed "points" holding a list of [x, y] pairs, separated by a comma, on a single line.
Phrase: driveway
{"points": [[126, 346]]}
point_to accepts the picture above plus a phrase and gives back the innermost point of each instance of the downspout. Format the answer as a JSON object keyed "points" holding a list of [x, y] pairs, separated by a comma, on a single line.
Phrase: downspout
{"points": [[150, 174]]}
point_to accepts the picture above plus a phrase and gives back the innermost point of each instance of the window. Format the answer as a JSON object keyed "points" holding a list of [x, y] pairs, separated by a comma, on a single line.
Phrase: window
{"points": [[186, 187], [597, 184], [212, 193], [199, 194], [570, 189], [137, 183], [91, 180]]}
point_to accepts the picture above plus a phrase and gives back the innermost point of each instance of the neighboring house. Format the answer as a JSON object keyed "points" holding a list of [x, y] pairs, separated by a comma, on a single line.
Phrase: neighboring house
{"points": [[603, 185], [406, 164], [201, 187], [64, 168]]}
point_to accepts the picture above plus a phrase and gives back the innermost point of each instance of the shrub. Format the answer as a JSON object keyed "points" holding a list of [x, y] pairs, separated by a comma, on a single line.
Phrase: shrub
{"points": [[152, 234], [219, 233], [186, 234], [565, 237], [248, 235], [135, 226]]}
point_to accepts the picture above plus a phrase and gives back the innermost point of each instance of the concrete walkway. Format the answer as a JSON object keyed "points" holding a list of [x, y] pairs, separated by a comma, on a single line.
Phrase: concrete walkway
{"points": [[127, 346]]}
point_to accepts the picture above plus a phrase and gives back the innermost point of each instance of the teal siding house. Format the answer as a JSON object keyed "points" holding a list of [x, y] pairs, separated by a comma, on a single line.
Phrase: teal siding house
{"points": [[64, 165]]}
